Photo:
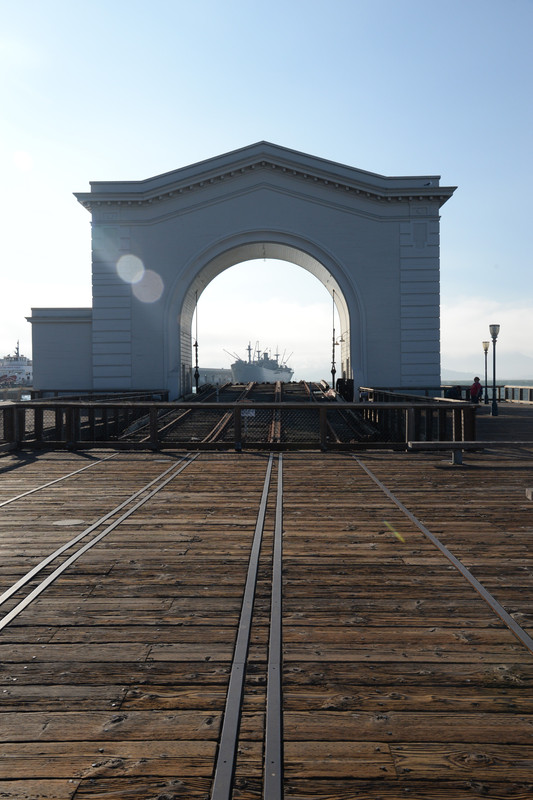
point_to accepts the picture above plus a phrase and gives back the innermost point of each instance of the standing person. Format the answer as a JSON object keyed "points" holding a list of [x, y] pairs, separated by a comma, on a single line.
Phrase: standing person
{"points": [[476, 391]]}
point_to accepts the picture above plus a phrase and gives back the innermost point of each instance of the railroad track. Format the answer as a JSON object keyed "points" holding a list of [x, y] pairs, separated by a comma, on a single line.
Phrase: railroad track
{"points": [[261, 426], [63, 557], [261, 560]]}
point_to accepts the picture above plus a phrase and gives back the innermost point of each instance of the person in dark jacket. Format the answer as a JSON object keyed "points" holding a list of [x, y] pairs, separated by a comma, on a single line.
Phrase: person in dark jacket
{"points": [[476, 391], [453, 392]]}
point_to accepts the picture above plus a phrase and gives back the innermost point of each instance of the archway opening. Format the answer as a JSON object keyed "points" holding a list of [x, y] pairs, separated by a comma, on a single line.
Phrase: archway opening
{"points": [[272, 306], [253, 254]]}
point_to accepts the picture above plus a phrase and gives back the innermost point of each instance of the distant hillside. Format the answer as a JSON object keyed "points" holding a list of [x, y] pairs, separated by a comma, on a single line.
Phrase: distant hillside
{"points": [[450, 376], [516, 365]]}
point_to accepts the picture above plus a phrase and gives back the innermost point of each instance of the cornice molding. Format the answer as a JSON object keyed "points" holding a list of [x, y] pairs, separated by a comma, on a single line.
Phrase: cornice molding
{"points": [[230, 167]]}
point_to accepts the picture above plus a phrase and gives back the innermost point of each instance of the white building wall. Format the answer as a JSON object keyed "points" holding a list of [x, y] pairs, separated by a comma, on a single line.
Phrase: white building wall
{"points": [[62, 349], [420, 301], [112, 328]]}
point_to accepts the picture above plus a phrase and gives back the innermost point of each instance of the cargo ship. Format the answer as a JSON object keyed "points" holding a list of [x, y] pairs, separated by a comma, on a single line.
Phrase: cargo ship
{"points": [[260, 367]]}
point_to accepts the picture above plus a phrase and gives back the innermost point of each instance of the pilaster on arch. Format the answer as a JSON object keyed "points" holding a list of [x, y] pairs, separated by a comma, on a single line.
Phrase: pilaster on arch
{"points": [[256, 245]]}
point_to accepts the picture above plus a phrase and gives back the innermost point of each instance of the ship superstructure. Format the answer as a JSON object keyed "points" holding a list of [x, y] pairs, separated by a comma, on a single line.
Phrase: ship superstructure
{"points": [[261, 367], [15, 369]]}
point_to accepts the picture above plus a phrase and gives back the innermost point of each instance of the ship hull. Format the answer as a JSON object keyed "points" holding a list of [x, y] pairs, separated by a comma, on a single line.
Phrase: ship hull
{"points": [[243, 372]]}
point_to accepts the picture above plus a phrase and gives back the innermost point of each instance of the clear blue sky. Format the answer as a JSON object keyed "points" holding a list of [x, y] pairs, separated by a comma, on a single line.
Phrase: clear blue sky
{"points": [[124, 89]]}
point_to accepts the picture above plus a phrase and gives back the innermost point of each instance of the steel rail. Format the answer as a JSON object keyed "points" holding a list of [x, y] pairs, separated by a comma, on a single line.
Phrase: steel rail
{"points": [[221, 425], [222, 788], [57, 480], [176, 419], [333, 432], [274, 430], [146, 426], [357, 427], [498, 609], [74, 557], [48, 560], [273, 763]]}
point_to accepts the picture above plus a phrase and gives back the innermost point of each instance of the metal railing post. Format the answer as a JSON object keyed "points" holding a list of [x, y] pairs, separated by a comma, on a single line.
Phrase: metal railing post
{"points": [[457, 434], [442, 434], [39, 424], [154, 438], [410, 425], [428, 424], [58, 425], [469, 424], [323, 428], [72, 425], [237, 426], [20, 414], [11, 432]]}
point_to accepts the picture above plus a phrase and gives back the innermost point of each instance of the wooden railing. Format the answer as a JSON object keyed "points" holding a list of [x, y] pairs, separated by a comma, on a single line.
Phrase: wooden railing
{"points": [[518, 394], [504, 392], [135, 425]]}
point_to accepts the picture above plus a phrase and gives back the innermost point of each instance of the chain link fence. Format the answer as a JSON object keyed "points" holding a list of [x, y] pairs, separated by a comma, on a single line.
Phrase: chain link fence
{"points": [[327, 425]]}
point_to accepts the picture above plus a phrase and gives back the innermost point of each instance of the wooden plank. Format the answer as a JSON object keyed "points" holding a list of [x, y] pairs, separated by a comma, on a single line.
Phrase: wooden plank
{"points": [[103, 726], [338, 760], [103, 672], [331, 789], [96, 759], [38, 789], [393, 726], [490, 761], [142, 788], [457, 698], [120, 652], [389, 655], [172, 697], [54, 698]]}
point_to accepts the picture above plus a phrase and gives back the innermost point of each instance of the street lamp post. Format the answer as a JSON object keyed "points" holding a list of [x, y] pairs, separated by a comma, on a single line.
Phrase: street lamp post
{"points": [[494, 331], [195, 345], [486, 346], [333, 343]]}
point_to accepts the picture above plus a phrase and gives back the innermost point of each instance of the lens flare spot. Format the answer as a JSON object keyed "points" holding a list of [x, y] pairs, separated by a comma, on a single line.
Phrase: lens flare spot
{"points": [[394, 531], [150, 288], [130, 268]]}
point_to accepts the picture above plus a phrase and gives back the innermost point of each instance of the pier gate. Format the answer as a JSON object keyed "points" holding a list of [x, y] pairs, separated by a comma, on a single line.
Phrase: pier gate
{"points": [[373, 241]]}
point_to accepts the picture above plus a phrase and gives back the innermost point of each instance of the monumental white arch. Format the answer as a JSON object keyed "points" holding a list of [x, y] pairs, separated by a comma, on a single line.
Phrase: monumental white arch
{"points": [[371, 240]]}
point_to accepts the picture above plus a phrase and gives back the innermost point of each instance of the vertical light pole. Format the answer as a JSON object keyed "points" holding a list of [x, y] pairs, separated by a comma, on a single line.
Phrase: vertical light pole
{"points": [[333, 370], [196, 370], [486, 346], [494, 331]]}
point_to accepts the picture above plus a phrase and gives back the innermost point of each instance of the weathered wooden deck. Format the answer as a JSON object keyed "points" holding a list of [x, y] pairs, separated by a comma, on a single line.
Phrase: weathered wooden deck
{"points": [[399, 680]]}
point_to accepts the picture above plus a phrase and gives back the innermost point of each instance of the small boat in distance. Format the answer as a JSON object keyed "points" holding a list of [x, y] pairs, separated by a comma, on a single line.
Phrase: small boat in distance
{"points": [[260, 368]]}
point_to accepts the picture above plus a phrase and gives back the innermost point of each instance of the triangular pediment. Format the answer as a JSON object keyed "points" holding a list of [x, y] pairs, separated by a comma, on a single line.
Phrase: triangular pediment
{"points": [[264, 157]]}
